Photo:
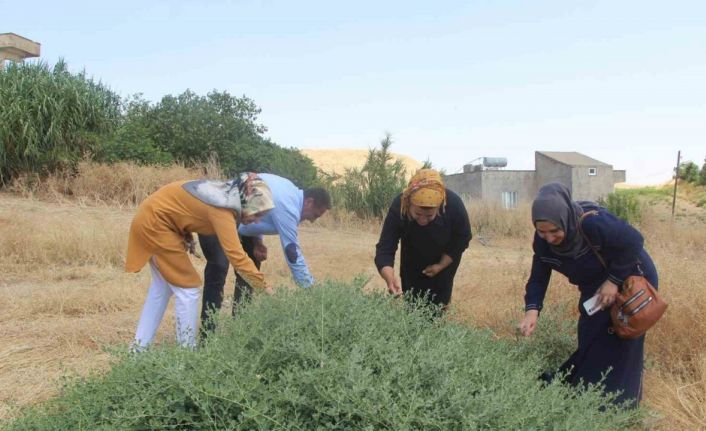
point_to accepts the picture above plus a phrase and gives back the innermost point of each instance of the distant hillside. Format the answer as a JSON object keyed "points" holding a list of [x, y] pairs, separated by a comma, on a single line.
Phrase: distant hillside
{"points": [[338, 160]]}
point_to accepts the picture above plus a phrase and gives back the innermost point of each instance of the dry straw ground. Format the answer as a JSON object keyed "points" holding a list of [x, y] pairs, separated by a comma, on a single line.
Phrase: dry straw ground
{"points": [[65, 297]]}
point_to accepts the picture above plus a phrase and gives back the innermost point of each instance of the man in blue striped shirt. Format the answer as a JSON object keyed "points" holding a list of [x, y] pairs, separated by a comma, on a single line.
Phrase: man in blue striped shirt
{"points": [[292, 206]]}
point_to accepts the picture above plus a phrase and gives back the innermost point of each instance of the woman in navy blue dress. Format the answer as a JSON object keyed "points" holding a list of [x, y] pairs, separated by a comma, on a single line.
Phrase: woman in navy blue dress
{"points": [[560, 246]]}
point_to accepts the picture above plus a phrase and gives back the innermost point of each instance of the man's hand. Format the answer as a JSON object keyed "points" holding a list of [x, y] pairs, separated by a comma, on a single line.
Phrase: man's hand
{"points": [[528, 323], [432, 270], [260, 251], [607, 294], [270, 291]]}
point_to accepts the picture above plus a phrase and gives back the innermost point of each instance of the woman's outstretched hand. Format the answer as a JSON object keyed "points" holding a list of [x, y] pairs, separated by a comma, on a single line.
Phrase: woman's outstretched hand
{"points": [[607, 294], [393, 285], [432, 270], [528, 323]]}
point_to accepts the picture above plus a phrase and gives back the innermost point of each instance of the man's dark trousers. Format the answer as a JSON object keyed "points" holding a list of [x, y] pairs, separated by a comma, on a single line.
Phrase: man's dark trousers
{"points": [[215, 277]]}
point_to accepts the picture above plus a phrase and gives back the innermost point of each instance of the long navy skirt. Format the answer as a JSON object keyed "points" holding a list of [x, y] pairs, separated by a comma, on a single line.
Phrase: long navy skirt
{"points": [[601, 352]]}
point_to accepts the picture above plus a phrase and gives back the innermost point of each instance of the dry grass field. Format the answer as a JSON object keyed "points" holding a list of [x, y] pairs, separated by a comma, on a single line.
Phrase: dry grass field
{"points": [[65, 297]]}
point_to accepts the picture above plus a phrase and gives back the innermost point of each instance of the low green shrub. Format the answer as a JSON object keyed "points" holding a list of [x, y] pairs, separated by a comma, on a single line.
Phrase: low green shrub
{"points": [[329, 358], [624, 205], [554, 340]]}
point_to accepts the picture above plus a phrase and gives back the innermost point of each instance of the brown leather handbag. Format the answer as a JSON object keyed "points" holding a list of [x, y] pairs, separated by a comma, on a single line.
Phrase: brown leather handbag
{"points": [[638, 306]]}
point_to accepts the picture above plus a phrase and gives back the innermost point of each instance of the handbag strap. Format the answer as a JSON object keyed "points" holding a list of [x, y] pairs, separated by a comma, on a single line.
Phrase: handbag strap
{"points": [[588, 241]]}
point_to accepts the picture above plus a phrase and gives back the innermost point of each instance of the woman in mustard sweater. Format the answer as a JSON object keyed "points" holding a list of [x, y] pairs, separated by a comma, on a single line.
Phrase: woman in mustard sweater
{"points": [[157, 236]]}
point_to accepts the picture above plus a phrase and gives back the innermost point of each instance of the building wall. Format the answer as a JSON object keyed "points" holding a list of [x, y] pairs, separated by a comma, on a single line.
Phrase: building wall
{"points": [[489, 185], [496, 182], [550, 171], [591, 187], [468, 185], [619, 176]]}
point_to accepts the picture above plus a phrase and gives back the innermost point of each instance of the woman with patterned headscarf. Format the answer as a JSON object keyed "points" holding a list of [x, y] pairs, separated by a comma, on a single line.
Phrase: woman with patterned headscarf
{"points": [[566, 231], [432, 225], [158, 232]]}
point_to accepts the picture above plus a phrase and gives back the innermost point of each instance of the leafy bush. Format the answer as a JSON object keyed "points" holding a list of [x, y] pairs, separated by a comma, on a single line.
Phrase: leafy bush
{"points": [[554, 340], [689, 171], [624, 205], [368, 191], [329, 358], [50, 118]]}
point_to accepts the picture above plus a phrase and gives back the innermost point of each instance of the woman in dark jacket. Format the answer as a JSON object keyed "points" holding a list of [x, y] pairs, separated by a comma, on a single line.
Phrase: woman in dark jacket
{"points": [[432, 225], [559, 245]]}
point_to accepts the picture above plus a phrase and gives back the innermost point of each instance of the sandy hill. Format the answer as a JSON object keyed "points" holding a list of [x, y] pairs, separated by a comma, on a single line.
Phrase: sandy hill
{"points": [[338, 160]]}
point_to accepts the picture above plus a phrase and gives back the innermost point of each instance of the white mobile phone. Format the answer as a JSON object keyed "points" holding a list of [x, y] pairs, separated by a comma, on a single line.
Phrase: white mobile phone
{"points": [[591, 305]]}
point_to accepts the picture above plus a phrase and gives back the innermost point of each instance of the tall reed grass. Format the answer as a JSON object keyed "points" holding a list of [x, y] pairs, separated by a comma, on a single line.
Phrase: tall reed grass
{"points": [[50, 117]]}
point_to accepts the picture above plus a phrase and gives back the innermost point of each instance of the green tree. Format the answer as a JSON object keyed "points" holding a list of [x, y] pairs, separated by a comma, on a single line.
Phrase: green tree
{"points": [[702, 175], [369, 190], [689, 171], [193, 128], [133, 139]]}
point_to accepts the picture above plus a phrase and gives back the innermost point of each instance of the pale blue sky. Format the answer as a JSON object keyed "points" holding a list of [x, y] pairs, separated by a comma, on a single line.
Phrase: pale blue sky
{"points": [[620, 81]]}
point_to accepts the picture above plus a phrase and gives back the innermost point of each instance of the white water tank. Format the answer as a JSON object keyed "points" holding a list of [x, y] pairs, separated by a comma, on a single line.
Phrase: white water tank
{"points": [[494, 162]]}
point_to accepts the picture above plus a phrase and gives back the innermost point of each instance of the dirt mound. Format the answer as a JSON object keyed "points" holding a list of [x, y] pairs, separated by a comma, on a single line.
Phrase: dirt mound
{"points": [[338, 160]]}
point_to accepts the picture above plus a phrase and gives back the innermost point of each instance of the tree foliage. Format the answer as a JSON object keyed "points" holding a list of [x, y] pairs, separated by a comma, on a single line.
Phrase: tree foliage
{"points": [[369, 190], [192, 129], [689, 171]]}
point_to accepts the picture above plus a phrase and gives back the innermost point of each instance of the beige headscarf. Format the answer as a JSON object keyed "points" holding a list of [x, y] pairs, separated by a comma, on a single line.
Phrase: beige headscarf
{"points": [[246, 194], [255, 195], [425, 189]]}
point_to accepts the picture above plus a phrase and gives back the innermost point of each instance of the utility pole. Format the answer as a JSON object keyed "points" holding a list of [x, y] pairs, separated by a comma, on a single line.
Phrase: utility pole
{"points": [[676, 180]]}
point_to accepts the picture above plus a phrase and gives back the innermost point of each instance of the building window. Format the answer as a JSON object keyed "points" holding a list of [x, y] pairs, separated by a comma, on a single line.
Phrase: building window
{"points": [[509, 200], [592, 172]]}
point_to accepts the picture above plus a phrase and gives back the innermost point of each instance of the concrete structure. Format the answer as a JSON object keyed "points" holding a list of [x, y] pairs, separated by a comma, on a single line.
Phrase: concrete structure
{"points": [[587, 178], [16, 48]]}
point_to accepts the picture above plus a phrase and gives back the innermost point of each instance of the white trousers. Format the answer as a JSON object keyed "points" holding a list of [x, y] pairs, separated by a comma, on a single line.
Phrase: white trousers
{"points": [[186, 307]]}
